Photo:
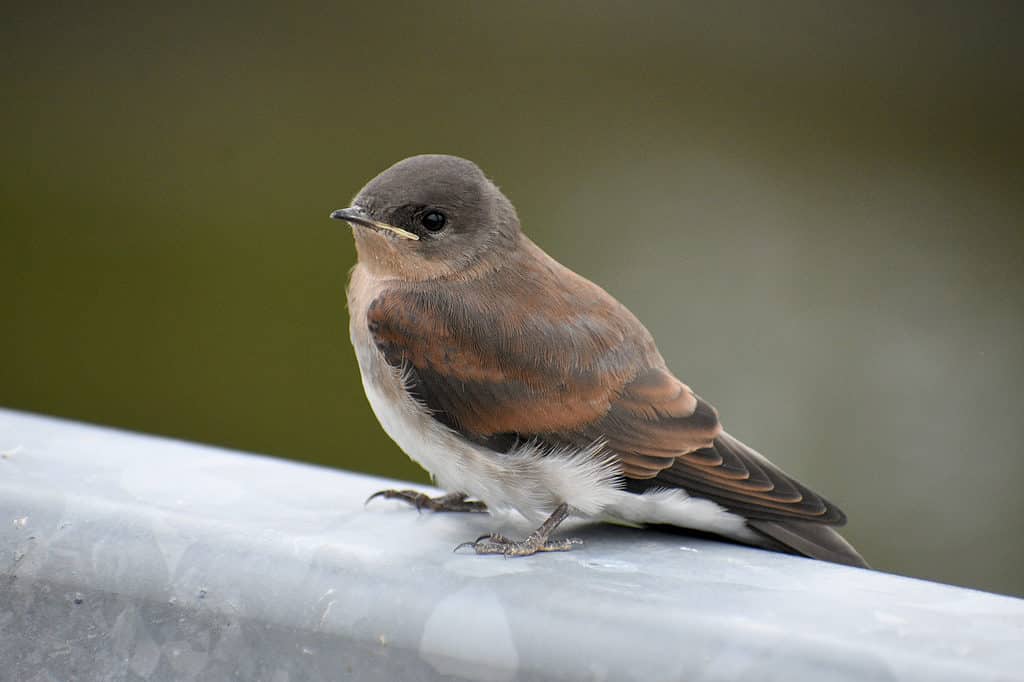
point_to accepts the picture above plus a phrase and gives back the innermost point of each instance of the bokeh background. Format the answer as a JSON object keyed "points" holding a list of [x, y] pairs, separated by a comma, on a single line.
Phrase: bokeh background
{"points": [[816, 207]]}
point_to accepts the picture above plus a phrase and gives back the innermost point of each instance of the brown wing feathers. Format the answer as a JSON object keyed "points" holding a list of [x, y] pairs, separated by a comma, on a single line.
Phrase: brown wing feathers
{"points": [[488, 379], [653, 420], [662, 431], [584, 370], [748, 483]]}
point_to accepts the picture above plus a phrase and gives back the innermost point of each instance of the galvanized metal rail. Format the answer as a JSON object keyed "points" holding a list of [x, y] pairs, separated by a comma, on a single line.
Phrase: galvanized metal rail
{"points": [[125, 556]]}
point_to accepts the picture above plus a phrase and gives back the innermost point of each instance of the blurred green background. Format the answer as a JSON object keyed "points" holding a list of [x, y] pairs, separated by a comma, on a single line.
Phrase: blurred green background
{"points": [[816, 208]]}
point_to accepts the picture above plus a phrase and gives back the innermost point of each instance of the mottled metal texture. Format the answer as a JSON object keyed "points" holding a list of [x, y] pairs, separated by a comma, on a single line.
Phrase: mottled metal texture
{"points": [[128, 557]]}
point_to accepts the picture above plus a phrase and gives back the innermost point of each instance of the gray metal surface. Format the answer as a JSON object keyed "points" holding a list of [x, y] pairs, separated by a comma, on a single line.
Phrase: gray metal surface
{"points": [[129, 557]]}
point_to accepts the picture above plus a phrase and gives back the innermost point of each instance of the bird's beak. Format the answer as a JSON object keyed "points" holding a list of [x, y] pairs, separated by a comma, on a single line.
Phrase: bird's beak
{"points": [[355, 215]]}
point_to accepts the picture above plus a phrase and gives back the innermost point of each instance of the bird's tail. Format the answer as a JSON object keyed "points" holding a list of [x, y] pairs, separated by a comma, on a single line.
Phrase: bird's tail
{"points": [[810, 539]]}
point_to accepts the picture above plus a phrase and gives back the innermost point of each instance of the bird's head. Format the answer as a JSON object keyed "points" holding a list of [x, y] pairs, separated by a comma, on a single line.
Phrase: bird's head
{"points": [[431, 216]]}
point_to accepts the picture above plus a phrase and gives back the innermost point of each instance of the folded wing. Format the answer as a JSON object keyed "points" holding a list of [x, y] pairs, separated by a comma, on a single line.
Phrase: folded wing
{"points": [[521, 359]]}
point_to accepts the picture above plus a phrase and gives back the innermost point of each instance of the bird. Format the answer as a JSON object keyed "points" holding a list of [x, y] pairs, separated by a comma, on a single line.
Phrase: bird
{"points": [[522, 386]]}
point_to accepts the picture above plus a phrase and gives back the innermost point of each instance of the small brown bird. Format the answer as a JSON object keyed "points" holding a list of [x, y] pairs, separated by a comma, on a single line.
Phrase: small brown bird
{"points": [[520, 384]]}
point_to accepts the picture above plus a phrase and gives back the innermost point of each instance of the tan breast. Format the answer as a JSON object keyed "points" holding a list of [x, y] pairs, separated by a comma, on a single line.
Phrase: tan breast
{"points": [[363, 288]]}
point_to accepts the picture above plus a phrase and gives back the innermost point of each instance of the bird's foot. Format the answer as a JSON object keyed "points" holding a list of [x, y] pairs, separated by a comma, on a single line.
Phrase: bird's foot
{"points": [[537, 541], [499, 544], [452, 502]]}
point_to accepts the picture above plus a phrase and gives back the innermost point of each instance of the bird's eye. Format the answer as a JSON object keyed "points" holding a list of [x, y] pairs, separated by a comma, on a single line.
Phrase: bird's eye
{"points": [[434, 221]]}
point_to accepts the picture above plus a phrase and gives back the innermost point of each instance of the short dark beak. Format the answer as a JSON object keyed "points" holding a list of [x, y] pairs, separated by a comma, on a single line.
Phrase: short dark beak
{"points": [[355, 215]]}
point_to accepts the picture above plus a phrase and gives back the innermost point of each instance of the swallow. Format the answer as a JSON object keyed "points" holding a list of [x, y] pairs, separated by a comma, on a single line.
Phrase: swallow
{"points": [[520, 385]]}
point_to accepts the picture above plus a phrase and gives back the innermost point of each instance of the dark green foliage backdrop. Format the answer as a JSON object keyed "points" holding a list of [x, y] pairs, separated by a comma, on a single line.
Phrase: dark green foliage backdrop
{"points": [[817, 210]]}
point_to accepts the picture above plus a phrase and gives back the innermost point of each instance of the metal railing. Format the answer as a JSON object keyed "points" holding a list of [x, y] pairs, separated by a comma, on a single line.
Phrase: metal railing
{"points": [[125, 556]]}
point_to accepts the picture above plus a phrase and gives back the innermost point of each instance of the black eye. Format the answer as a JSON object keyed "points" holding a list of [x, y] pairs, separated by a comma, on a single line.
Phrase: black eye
{"points": [[433, 221]]}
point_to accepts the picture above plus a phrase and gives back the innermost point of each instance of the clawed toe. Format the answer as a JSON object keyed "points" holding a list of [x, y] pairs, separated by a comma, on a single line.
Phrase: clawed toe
{"points": [[411, 497], [452, 502], [471, 543]]}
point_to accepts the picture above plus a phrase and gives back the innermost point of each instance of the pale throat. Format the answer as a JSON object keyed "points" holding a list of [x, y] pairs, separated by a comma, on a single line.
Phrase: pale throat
{"points": [[384, 258], [393, 258]]}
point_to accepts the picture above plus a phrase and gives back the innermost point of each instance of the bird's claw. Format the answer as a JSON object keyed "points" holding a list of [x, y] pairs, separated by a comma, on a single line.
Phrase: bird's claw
{"points": [[452, 502], [413, 498], [499, 544]]}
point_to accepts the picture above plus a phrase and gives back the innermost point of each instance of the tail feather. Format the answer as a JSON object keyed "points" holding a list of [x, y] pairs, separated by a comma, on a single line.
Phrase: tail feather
{"points": [[810, 539]]}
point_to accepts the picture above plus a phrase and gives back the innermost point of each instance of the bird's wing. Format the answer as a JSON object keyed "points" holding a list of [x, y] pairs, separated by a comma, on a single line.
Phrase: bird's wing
{"points": [[556, 372], [517, 360], [742, 480], [810, 539]]}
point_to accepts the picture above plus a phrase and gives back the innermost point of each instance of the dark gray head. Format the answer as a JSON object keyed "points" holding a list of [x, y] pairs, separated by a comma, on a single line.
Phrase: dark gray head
{"points": [[431, 215]]}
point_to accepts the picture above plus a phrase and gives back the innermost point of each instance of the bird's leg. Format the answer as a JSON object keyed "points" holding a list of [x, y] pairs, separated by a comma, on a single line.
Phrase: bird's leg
{"points": [[452, 502], [537, 541]]}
